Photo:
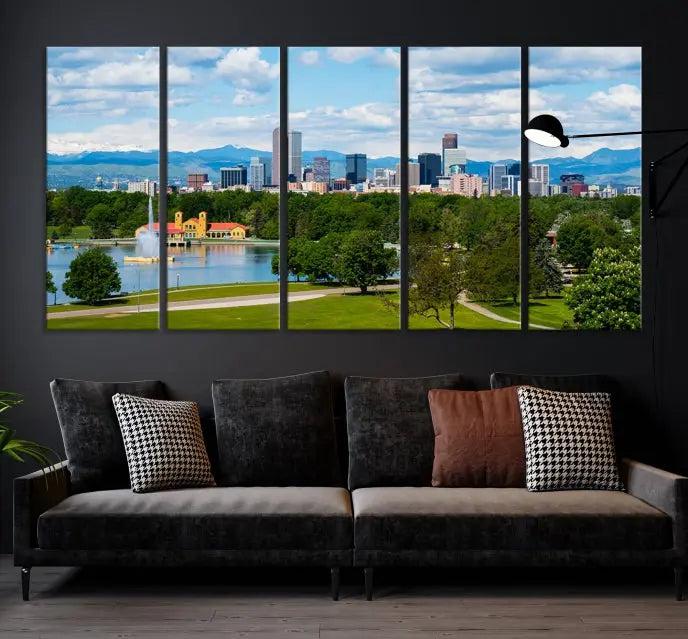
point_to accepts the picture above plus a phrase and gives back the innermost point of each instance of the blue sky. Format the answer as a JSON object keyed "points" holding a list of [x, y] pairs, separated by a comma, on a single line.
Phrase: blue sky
{"points": [[591, 90], [345, 98], [223, 95], [341, 98], [102, 98], [472, 91]]}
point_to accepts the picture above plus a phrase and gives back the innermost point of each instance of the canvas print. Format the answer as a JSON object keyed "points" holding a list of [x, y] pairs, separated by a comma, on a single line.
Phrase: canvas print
{"points": [[343, 183], [223, 192], [464, 187], [585, 199], [102, 247]]}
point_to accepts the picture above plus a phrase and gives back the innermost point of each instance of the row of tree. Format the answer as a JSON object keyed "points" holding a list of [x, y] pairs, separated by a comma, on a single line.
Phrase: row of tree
{"points": [[358, 258]]}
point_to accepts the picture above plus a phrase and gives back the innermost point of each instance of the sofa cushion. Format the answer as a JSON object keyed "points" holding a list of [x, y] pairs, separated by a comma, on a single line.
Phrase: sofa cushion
{"points": [[252, 518], [164, 443], [478, 439], [391, 440], [276, 432], [569, 440], [90, 431], [417, 518]]}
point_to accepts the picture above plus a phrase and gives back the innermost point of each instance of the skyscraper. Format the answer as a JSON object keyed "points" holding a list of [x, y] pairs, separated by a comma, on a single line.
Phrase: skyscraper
{"points": [[510, 184], [321, 169], [413, 173], [540, 172], [450, 141], [256, 174], [356, 167], [454, 161], [497, 172], [275, 156], [295, 155], [430, 167], [196, 181], [233, 176]]}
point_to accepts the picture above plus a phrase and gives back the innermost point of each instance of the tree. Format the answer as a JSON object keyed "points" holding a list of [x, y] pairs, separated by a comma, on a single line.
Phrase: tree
{"points": [[608, 295], [552, 280], [581, 234], [363, 260], [102, 219], [294, 263], [50, 285], [437, 276], [493, 270], [92, 276]]}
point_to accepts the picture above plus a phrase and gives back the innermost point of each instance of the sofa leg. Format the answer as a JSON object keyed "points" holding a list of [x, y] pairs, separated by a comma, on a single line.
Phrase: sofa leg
{"points": [[334, 581], [26, 580], [678, 582], [368, 576]]}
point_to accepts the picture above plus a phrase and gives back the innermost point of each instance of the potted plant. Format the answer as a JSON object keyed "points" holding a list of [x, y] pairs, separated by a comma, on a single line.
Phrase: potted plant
{"points": [[22, 449]]}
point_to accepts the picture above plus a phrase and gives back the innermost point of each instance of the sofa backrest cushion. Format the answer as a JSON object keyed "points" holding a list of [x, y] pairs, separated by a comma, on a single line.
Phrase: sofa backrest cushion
{"points": [[391, 440], [276, 432], [591, 383], [90, 430], [478, 439]]}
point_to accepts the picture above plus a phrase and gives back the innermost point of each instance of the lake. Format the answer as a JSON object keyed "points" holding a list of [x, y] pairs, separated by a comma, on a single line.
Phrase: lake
{"points": [[198, 264]]}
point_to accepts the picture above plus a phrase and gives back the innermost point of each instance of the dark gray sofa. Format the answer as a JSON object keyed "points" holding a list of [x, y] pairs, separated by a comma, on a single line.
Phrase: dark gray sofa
{"points": [[400, 520], [390, 516]]}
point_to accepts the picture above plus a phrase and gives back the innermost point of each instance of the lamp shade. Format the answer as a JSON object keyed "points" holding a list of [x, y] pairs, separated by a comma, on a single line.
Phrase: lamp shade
{"points": [[546, 130]]}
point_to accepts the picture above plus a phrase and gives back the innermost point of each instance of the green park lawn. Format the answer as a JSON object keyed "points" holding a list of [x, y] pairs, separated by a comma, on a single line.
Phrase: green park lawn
{"points": [[330, 312], [200, 292], [77, 233], [543, 311]]}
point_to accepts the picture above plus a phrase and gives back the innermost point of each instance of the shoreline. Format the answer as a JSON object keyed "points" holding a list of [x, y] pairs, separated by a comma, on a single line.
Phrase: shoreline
{"points": [[128, 241]]}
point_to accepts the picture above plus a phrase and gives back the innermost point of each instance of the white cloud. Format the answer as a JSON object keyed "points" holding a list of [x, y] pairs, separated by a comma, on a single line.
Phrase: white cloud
{"points": [[349, 55], [140, 135], [252, 131], [140, 70], [179, 75], [246, 69], [246, 97], [464, 58], [310, 57], [622, 98], [193, 55], [371, 128]]}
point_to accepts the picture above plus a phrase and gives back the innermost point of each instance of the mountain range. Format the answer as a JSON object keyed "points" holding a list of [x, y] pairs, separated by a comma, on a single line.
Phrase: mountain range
{"points": [[617, 167]]}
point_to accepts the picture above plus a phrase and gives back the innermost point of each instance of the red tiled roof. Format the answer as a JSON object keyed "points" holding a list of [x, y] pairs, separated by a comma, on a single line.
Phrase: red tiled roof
{"points": [[171, 228], [225, 226]]}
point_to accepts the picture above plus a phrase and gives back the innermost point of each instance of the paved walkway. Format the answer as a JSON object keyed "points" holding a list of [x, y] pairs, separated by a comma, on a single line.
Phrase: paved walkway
{"points": [[218, 302], [494, 316]]}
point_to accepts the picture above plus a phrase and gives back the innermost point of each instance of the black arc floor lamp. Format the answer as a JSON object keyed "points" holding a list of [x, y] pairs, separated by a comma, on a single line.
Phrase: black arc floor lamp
{"points": [[546, 130]]}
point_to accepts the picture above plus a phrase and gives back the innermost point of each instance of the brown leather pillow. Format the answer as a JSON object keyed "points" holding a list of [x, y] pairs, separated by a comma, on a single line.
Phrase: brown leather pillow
{"points": [[478, 439]]}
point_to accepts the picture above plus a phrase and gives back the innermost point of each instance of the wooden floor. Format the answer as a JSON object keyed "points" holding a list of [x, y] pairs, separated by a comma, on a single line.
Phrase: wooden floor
{"points": [[209, 604]]}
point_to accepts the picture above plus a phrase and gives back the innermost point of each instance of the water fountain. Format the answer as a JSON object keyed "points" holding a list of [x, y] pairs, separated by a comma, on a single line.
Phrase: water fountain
{"points": [[147, 241]]}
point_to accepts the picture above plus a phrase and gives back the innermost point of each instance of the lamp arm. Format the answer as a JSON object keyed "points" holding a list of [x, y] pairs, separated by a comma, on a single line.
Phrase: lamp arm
{"points": [[643, 132]]}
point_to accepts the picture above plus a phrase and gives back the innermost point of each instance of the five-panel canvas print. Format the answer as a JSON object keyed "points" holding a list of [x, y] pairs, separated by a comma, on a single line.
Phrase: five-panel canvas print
{"points": [[464, 187]]}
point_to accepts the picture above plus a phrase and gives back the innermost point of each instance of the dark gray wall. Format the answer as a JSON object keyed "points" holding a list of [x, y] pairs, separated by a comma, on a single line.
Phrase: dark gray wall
{"points": [[30, 356]]}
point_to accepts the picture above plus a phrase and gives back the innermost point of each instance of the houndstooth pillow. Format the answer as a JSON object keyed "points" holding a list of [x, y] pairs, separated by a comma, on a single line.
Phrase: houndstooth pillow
{"points": [[569, 440], [164, 443]]}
